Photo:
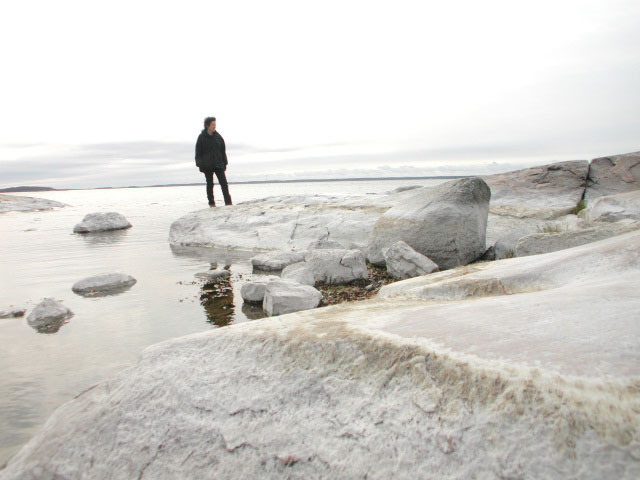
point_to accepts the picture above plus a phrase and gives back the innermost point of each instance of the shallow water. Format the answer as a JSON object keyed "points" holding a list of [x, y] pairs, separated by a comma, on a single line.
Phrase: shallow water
{"points": [[41, 257]]}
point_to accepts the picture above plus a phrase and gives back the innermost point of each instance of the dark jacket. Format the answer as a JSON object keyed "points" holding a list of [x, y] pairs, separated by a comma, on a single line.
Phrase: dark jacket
{"points": [[211, 152]]}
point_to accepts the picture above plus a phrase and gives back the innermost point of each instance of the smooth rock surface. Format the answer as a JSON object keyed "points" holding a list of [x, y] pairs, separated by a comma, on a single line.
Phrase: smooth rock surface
{"points": [[285, 296], [274, 261], [12, 313], [404, 262], [253, 292], [446, 223], [299, 272], [214, 275], [18, 203], [611, 208], [522, 368], [324, 244], [48, 316], [104, 284], [102, 222], [613, 174], [337, 266]]}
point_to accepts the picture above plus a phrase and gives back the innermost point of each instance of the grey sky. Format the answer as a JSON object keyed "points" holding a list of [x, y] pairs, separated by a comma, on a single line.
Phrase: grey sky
{"points": [[113, 94]]}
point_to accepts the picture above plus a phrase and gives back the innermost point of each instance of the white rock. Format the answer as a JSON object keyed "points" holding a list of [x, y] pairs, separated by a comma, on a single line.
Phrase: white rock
{"points": [[446, 223], [404, 262], [526, 368], [285, 296], [12, 313], [214, 275], [612, 175], [611, 208], [103, 284], [253, 292], [18, 203], [299, 272], [337, 266], [324, 244], [100, 222], [48, 316], [273, 261]]}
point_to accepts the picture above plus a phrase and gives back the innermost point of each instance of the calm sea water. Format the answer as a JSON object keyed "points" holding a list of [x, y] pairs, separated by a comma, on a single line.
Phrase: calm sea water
{"points": [[41, 257]]}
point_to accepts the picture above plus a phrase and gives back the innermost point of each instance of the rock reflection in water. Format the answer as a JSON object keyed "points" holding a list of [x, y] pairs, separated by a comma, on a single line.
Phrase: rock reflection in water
{"points": [[217, 299], [253, 312], [110, 237]]}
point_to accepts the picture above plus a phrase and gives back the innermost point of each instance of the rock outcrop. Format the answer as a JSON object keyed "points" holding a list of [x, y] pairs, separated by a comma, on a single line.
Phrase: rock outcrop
{"points": [[18, 203], [106, 284], [102, 222], [612, 175], [285, 296], [612, 208], [404, 262], [446, 223], [48, 316], [520, 368]]}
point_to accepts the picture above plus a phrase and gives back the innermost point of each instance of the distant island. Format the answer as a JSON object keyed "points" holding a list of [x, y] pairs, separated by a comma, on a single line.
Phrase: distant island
{"points": [[304, 180]]}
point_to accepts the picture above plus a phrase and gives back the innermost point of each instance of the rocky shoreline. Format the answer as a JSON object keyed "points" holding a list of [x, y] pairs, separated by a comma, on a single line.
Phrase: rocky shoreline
{"points": [[523, 367]]}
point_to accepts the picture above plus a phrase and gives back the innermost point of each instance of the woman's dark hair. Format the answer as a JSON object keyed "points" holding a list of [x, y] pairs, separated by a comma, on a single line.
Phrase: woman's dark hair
{"points": [[208, 120]]}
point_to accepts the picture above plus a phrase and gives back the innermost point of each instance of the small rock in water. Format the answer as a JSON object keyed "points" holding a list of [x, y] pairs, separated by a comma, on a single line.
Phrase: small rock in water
{"points": [[214, 275], [253, 292], [48, 316], [12, 313], [101, 222], [103, 284], [285, 296]]}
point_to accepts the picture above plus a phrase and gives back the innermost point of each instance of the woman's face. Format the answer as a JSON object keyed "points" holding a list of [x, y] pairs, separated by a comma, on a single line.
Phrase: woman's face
{"points": [[212, 126]]}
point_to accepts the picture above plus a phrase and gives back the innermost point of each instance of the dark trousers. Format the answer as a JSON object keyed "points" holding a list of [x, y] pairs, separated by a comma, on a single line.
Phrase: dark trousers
{"points": [[222, 180]]}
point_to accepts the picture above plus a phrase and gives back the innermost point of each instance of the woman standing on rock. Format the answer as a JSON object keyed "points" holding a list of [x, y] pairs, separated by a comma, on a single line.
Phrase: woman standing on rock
{"points": [[211, 157]]}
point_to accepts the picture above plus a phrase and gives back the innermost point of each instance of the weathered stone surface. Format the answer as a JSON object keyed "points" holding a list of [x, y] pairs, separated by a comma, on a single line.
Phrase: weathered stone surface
{"points": [[12, 313], [103, 284], [520, 368], [102, 222], [253, 292], [404, 262], [613, 174], [324, 244], [18, 203], [285, 296], [446, 223], [611, 208], [337, 266], [48, 316], [214, 275], [299, 272], [273, 261]]}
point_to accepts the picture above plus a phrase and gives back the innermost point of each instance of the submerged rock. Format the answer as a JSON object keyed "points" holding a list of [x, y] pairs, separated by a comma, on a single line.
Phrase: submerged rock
{"points": [[48, 316], [12, 313], [612, 175], [285, 296], [105, 284], [404, 262], [274, 261], [102, 222], [446, 223]]}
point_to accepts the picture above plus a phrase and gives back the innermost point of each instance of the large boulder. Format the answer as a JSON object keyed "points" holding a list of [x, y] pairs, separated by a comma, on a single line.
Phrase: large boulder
{"points": [[337, 266], [105, 284], [285, 296], [299, 272], [48, 316], [404, 262], [102, 222], [613, 174], [273, 261], [253, 291], [446, 223], [611, 208]]}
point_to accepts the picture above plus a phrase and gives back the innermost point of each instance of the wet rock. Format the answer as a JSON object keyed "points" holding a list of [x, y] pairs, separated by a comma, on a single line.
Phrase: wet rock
{"points": [[404, 262], [274, 261], [253, 292], [12, 313], [102, 222], [336, 266], [214, 275], [612, 175], [48, 316], [446, 223], [299, 272], [109, 283], [285, 296]]}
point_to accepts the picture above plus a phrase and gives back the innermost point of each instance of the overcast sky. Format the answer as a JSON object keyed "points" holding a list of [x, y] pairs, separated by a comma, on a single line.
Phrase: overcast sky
{"points": [[114, 93]]}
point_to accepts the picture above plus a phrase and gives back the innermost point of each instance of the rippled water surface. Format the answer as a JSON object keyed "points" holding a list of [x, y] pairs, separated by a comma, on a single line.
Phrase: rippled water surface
{"points": [[41, 257]]}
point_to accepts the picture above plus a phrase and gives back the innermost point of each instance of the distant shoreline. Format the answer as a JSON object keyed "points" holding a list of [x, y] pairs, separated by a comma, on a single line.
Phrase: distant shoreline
{"points": [[306, 180]]}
